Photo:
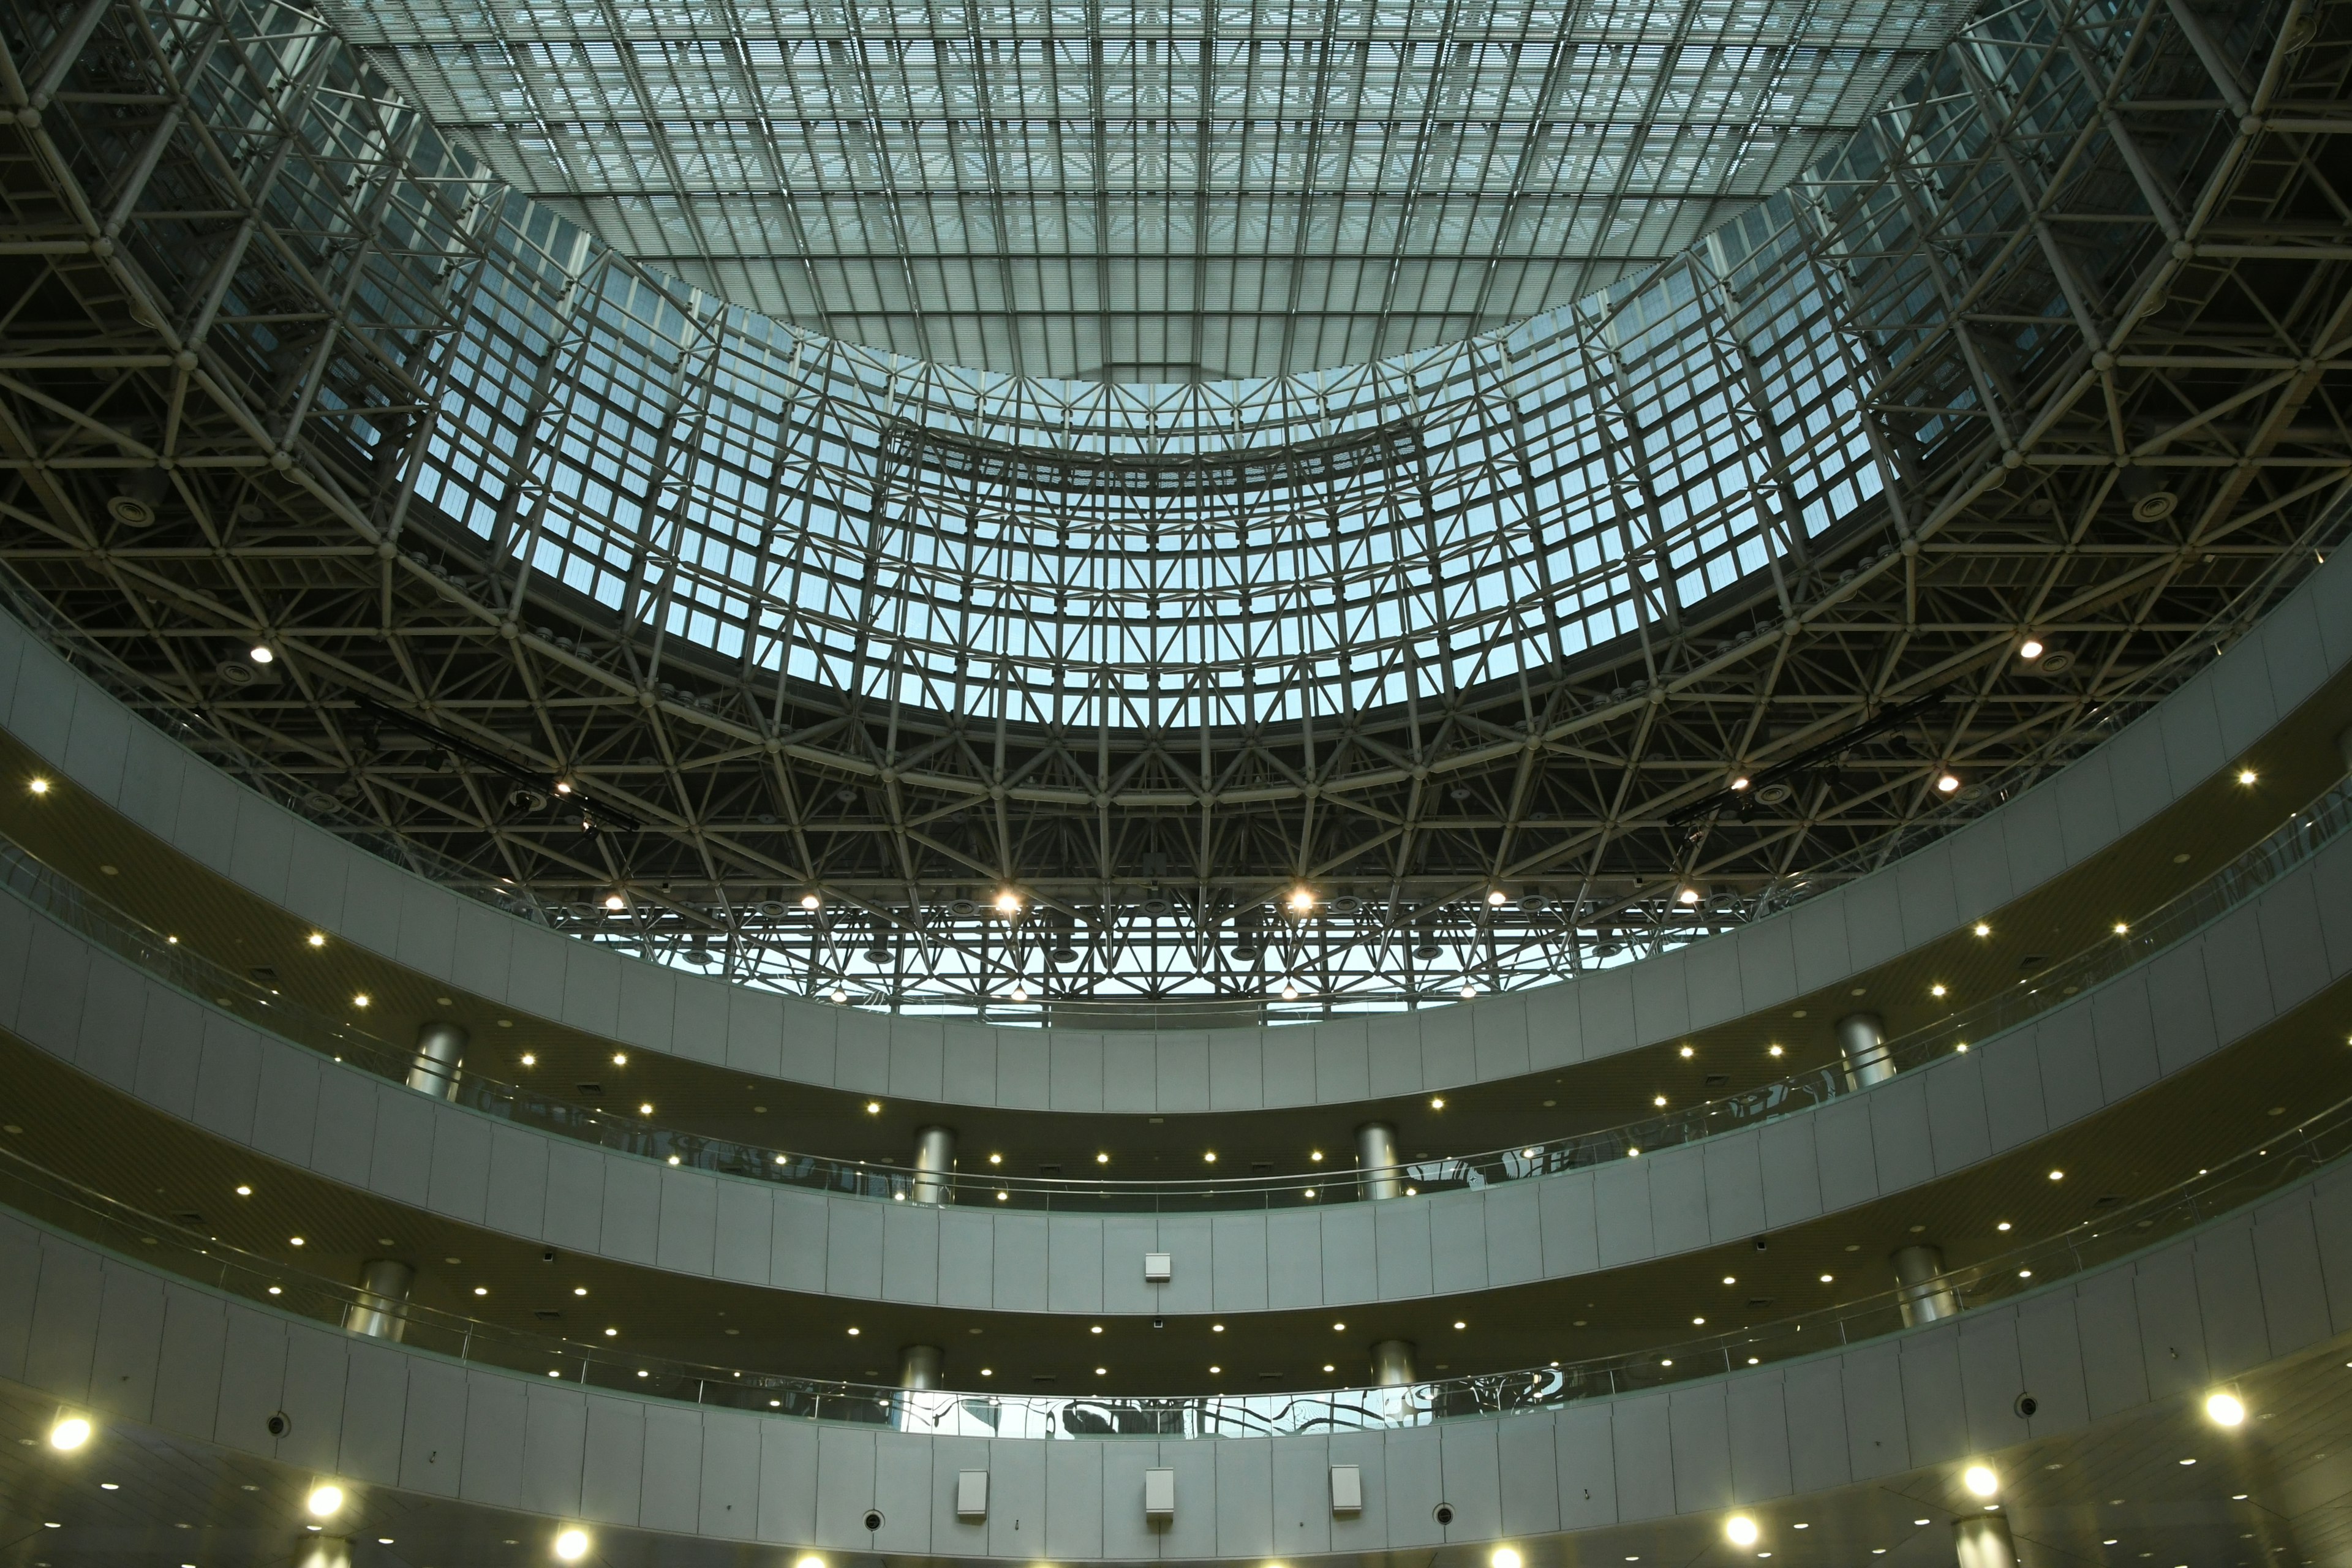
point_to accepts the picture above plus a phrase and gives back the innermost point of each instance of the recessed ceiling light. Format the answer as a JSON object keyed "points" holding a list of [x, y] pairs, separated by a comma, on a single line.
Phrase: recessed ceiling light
{"points": [[244, 1192], [294, 1241], [2057, 1175], [481, 1290], [39, 786], [1459, 1324], [530, 1059], [1658, 1099], [2003, 1226], [360, 1000], [2246, 775], [853, 1334], [1436, 1102], [1982, 929], [620, 1059], [260, 654], [873, 1108], [1775, 1050], [580, 1289], [316, 939], [1699, 1321], [1102, 1371], [1101, 1158], [1095, 1329]]}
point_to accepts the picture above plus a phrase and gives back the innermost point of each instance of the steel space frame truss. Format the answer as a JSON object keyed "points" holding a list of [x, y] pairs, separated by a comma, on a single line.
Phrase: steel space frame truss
{"points": [[2096, 270]]}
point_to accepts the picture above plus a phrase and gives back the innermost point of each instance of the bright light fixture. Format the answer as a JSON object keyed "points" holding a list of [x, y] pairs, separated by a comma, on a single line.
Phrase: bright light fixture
{"points": [[1008, 903], [1503, 1557], [811, 901], [1302, 899], [1936, 990], [1980, 1480], [2225, 1409], [1688, 1053], [1498, 898], [571, 1545], [1658, 1099], [360, 1000], [873, 1108], [1101, 1159], [839, 994], [1947, 783], [316, 939], [2246, 775], [1436, 1102], [325, 1498], [620, 1059], [1021, 992], [615, 901], [2122, 929], [1740, 780], [70, 1433], [1687, 895], [1739, 1530], [259, 653], [1290, 993], [2030, 650], [812, 1560], [2057, 1175], [1468, 991], [1982, 929], [39, 787]]}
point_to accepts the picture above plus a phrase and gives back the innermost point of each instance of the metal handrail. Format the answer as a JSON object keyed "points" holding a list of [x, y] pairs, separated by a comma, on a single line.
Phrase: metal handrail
{"points": [[58, 897], [2116, 1234]]}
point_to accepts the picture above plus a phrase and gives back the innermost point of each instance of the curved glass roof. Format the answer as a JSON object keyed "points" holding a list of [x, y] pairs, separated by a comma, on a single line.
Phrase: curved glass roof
{"points": [[1181, 555], [1149, 190]]}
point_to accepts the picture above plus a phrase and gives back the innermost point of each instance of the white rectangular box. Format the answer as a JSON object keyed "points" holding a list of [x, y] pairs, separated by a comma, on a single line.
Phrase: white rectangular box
{"points": [[1347, 1489], [1159, 1267], [1159, 1494], [971, 1494]]}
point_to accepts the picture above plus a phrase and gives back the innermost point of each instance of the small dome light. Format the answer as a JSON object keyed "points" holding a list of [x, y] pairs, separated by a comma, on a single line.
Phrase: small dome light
{"points": [[1503, 1557], [1021, 992], [615, 901], [39, 786], [360, 1000], [1008, 903], [316, 939], [811, 901], [2030, 650], [259, 653], [2247, 775], [1740, 780], [571, 1545], [325, 1498], [1980, 1480], [70, 1433], [1498, 898], [2225, 1409], [1947, 783], [1302, 901], [1739, 1530], [1982, 929]]}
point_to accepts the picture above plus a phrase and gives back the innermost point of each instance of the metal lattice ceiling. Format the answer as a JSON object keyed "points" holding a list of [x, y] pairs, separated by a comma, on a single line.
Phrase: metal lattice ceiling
{"points": [[1148, 192], [2055, 343]]}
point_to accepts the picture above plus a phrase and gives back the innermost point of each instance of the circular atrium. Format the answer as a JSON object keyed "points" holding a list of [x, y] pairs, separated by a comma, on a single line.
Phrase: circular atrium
{"points": [[1486, 784]]}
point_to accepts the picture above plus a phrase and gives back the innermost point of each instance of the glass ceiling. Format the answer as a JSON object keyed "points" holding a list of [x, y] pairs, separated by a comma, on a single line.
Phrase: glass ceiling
{"points": [[1146, 192], [1231, 554]]}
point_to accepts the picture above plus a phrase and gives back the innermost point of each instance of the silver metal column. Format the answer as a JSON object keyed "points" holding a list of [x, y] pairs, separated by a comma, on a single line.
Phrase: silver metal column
{"points": [[1392, 1363], [1862, 1041], [1376, 1160], [382, 1311], [323, 1550], [1982, 1540], [1927, 1296], [934, 1162], [440, 1048], [919, 1366]]}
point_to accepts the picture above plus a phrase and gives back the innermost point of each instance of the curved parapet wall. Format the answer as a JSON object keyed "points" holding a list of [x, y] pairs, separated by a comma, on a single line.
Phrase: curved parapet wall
{"points": [[2233, 979], [103, 1332], [2193, 734]]}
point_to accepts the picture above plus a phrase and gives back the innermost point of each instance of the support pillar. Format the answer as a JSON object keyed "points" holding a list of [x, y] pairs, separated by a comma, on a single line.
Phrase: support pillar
{"points": [[382, 1311], [1392, 1363], [1983, 1540], [919, 1366], [1376, 1161], [440, 1050], [934, 1164], [1862, 1041], [1926, 1297]]}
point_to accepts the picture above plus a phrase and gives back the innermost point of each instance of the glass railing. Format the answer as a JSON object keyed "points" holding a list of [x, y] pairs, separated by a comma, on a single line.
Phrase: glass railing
{"points": [[70, 905], [2290, 1155]]}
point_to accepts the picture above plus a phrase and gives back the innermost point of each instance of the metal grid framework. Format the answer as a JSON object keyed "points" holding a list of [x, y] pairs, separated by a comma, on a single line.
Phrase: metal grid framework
{"points": [[2065, 322], [1147, 191]]}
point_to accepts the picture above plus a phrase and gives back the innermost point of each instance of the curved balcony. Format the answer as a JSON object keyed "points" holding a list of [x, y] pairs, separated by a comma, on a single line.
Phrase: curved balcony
{"points": [[2279, 670]]}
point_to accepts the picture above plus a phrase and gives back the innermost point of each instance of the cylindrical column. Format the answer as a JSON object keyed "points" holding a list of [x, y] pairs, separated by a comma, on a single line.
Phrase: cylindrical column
{"points": [[934, 1160], [324, 1550], [440, 1049], [1925, 1295], [1982, 1540], [1862, 1041], [1376, 1159], [1392, 1363], [382, 1311], [919, 1366]]}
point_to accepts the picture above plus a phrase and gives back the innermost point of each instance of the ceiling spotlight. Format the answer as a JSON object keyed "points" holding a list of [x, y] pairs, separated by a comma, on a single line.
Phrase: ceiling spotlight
{"points": [[873, 1108], [571, 1545], [1101, 1159], [1659, 1100], [1688, 895], [1980, 1480], [1936, 990], [316, 939], [1740, 780], [2057, 1175], [39, 787], [1468, 991], [70, 1433], [2247, 775], [2030, 650], [810, 1560], [620, 1059], [563, 786], [1290, 993], [615, 901], [1688, 1053], [1774, 1050], [259, 653], [1021, 992], [1947, 783], [1498, 898], [1436, 1102], [1983, 929], [1739, 1530], [1302, 901], [360, 1000], [839, 994], [1008, 903], [2123, 928], [1503, 1557], [324, 1499], [811, 901], [1211, 1156], [2225, 1409]]}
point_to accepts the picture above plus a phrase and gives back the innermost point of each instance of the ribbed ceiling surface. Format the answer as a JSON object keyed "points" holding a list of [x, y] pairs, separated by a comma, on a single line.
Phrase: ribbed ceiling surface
{"points": [[1148, 192]]}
